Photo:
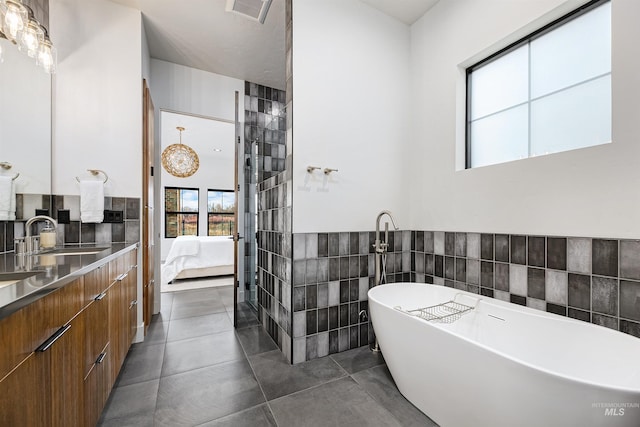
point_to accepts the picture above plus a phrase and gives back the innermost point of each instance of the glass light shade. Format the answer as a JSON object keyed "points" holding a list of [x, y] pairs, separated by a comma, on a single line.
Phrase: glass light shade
{"points": [[30, 38], [180, 160], [14, 18], [47, 56]]}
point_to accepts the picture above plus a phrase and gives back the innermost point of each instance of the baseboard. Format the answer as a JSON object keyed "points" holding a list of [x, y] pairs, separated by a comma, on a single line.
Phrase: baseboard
{"points": [[139, 333]]}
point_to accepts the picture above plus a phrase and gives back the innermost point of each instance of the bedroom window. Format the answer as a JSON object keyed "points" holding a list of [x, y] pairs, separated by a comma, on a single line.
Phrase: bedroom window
{"points": [[546, 93], [221, 209], [180, 212]]}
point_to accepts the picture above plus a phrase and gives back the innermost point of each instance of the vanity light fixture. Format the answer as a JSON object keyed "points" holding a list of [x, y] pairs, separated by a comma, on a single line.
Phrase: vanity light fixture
{"points": [[18, 25], [46, 56], [179, 159], [13, 17], [30, 37]]}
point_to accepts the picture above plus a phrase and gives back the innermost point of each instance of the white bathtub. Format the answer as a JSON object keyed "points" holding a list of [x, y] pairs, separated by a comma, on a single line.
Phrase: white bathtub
{"points": [[502, 364]]}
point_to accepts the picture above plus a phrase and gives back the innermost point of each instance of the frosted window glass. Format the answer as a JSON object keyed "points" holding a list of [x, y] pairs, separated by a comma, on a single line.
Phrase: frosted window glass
{"points": [[574, 118], [500, 84], [500, 138], [572, 53]]}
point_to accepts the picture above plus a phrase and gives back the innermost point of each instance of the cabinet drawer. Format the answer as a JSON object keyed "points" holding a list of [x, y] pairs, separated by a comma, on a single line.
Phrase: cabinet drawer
{"points": [[96, 282]]}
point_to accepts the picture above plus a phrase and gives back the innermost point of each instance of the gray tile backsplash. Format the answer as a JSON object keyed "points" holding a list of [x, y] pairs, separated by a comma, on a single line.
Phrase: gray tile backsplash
{"points": [[75, 232]]}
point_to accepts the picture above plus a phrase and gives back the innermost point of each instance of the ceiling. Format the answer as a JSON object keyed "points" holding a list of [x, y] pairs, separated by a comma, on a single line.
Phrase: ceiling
{"points": [[205, 36]]}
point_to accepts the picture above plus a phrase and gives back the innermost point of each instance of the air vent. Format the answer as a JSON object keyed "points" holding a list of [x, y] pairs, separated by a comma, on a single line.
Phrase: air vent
{"points": [[256, 10]]}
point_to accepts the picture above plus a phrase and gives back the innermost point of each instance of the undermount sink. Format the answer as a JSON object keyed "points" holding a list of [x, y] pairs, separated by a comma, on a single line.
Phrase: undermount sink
{"points": [[7, 279], [72, 251]]}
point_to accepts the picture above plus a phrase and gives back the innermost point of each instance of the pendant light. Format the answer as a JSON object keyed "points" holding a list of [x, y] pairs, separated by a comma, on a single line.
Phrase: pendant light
{"points": [[179, 159]]}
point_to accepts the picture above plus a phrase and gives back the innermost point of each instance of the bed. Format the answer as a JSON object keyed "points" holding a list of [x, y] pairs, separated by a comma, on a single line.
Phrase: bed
{"points": [[199, 256]]}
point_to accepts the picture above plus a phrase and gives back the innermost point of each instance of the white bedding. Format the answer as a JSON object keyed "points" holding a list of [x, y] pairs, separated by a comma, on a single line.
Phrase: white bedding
{"points": [[197, 252]]}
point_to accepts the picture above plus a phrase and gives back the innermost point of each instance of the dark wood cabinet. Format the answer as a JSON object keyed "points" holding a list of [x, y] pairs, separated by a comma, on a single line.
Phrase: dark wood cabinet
{"points": [[62, 354]]}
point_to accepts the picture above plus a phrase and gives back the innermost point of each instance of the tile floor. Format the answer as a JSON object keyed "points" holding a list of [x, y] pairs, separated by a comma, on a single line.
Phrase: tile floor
{"points": [[194, 369]]}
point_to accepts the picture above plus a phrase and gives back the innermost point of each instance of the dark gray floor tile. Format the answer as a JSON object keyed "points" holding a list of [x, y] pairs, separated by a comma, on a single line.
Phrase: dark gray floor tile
{"points": [[255, 340], [143, 363], [196, 308], [133, 421], [279, 378], [202, 395], [135, 400], [192, 327], [358, 359], [258, 416], [338, 403], [247, 316], [193, 353], [379, 384], [156, 334]]}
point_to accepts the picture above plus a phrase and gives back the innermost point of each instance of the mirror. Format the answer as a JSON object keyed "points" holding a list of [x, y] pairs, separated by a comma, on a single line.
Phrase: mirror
{"points": [[25, 121]]}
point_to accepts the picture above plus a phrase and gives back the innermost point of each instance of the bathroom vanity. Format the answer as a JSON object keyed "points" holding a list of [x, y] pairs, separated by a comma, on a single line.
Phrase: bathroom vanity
{"points": [[64, 332]]}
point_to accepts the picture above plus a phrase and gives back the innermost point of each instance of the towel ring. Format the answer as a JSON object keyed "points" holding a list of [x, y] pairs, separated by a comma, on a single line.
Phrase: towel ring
{"points": [[95, 172], [15, 177]]}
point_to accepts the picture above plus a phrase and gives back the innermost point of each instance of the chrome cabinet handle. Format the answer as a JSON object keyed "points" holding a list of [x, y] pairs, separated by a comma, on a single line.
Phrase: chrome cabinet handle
{"points": [[121, 277], [101, 357], [53, 338], [100, 296], [134, 302]]}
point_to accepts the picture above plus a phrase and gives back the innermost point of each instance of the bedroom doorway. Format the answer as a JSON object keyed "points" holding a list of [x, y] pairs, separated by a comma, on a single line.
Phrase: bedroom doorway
{"points": [[201, 214]]}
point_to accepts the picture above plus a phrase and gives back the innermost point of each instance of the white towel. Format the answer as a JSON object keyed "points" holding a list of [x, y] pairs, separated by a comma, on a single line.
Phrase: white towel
{"points": [[7, 199], [91, 201]]}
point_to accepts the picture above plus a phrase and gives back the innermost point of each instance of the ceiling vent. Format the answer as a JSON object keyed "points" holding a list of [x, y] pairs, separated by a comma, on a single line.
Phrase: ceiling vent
{"points": [[256, 10]]}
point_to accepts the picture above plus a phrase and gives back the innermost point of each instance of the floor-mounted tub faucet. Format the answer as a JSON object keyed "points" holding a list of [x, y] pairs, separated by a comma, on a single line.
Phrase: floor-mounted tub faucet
{"points": [[380, 250]]}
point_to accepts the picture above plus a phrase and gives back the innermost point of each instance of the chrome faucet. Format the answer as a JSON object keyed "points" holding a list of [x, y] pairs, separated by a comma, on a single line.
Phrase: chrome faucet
{"points": [[32, 241], [380, 248]]}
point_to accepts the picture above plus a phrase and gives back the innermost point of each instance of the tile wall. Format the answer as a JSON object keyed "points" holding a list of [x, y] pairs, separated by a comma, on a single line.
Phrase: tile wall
{"points": [[264, 147], [275, 199], [75, 232], [332, 273], [274, 260], [265, 126], [594, 280]]}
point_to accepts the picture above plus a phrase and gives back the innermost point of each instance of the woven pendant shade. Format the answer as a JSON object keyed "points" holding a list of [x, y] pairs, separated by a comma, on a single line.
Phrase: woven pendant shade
{"points": [[180, 160]]}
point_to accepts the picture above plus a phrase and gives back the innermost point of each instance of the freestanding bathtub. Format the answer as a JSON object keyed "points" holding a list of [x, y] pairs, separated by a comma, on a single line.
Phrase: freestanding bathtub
{"points": [[502, 364]]}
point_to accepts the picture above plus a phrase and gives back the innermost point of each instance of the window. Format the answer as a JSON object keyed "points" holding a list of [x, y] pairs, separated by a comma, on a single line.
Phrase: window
{"points": [[547, 93], [180, 212], [221, 209]]}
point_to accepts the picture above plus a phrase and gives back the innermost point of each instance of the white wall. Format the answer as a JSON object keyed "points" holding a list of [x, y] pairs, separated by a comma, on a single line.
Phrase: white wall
{"points": [[98, 96], [588, 192], [350, 112]]}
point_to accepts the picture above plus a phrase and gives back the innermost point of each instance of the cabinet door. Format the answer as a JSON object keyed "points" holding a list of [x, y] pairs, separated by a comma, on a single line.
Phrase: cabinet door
{"points": [[132, 297], [116, 302], [24, 393], [66, 373]]}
